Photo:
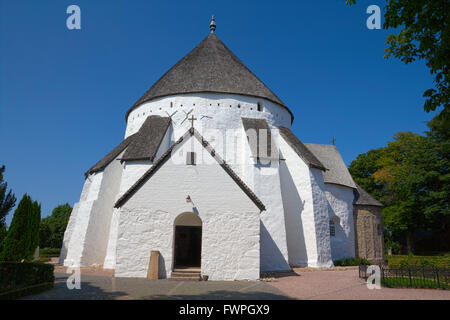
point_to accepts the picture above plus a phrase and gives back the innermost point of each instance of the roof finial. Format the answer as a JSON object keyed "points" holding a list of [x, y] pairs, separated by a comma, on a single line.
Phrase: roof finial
{"points": [[212, 25]]}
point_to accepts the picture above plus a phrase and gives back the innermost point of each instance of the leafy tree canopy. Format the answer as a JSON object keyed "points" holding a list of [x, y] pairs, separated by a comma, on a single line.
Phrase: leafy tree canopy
{"points": [[410, 176], [56, 223]]}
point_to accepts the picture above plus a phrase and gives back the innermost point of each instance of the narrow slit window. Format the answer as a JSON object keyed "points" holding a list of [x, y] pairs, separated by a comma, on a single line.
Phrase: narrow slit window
{"points": [[190, 158], [259, 106], [332, 229]]}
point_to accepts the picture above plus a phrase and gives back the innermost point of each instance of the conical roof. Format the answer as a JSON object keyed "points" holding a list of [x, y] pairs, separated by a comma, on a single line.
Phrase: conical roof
{"points": [[210, 67]]}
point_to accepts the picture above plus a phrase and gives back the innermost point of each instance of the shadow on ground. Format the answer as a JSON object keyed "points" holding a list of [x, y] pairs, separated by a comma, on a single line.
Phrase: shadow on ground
{"points": [[110, 288], [222, 295], [89, 291]]}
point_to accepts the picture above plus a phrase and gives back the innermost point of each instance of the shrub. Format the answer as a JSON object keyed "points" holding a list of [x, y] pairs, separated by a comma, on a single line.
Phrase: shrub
{"points": [[352, 262], [23, 235], [18, 279], [49, 252]]}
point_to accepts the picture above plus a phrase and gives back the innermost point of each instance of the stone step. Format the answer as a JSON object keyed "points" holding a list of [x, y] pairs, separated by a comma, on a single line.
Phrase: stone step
{"points": [[187, 270], [184, 278], [185, 275]]}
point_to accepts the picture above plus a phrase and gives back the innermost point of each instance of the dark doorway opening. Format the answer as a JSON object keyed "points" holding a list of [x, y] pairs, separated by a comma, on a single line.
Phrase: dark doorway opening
{"points": [[188, 246]]}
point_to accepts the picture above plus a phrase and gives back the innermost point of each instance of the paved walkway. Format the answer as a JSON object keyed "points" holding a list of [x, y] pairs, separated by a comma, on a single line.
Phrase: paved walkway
{"points": [[96, 287], [346, 285], [340, 284]]}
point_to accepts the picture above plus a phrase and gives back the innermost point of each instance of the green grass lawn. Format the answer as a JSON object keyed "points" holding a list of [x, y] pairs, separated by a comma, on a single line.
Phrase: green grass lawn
{"points": [[46, 254], [438, 260], [401, 263]]}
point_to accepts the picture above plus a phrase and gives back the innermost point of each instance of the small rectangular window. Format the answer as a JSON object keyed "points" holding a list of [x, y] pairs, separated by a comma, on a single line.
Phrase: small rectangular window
{"points": [[190, 158], [332, 229], [259, 106]]}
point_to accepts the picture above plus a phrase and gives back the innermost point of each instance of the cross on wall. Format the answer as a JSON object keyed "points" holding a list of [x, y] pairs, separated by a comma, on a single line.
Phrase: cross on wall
{"points": [[192, 119]]}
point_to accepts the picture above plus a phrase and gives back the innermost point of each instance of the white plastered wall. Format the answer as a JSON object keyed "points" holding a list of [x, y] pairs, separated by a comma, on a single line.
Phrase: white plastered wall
{"points": [[306, 211], [75, 234], [340, 199], [230, 221], [264, 179], [132, 171]]}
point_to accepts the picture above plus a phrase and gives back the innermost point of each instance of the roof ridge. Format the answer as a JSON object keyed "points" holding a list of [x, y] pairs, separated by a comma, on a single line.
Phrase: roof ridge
{"points": [[106, 160], [301, 149]]}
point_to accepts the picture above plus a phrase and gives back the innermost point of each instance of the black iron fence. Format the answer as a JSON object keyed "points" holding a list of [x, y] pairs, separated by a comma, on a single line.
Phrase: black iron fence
{"points": [[412, 277]]}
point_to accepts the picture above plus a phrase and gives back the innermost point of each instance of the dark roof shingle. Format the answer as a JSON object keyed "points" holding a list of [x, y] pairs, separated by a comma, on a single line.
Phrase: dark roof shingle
{"points": [[101, 165], [337, 171], [302, 151], [362, 197], [209, 67], [146, 143]]}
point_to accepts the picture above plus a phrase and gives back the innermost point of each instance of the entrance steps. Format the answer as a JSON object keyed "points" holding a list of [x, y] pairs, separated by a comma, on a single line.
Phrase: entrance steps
{"points": [[185, 274]]}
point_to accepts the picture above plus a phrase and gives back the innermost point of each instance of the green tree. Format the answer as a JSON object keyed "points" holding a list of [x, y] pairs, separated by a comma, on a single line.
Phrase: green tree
{"points": [[44, 234], [410, 176], [16, 244], [34, 221], [57, 222], [362, 170], [422, 32], [410, 169], [23, 235], [3, 233], [7, 199]]}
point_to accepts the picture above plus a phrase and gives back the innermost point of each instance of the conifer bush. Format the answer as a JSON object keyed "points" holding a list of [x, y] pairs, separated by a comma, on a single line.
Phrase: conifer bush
{"points": [[23, 235]]}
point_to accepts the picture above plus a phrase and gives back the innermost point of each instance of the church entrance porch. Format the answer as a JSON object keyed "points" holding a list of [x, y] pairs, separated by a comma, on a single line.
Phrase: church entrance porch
{"points": [[188, 243], [187, 249]]}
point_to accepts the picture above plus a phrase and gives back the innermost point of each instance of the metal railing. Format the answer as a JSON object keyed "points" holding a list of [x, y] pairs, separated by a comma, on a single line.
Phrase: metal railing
{"points": [[412, 276]]}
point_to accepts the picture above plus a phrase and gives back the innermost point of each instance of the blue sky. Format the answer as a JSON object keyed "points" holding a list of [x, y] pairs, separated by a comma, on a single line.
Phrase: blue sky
{"points": [[64, 93]]}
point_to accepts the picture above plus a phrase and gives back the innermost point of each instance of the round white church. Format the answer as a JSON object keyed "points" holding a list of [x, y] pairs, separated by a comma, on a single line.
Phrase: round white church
{"points": [[210, 175]]}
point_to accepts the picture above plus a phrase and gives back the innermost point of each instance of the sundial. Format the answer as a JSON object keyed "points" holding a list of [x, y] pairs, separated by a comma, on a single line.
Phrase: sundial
{"points": [[187, 115], [171, 115]]}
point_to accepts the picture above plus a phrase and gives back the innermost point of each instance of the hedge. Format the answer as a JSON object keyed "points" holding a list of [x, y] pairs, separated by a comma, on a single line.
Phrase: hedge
{"points": [[18, 279], [351, 262], [49, 252]]}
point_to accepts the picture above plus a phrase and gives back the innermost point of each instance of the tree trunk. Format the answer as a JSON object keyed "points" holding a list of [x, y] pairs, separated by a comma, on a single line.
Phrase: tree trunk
{"points": [[409, 243]]}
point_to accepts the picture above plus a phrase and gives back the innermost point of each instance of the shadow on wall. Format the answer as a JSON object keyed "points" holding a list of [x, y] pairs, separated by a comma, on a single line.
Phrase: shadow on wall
{"points": [[338, 243], [162, 274], [271, 257], [293, 207], [63, 253]]}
